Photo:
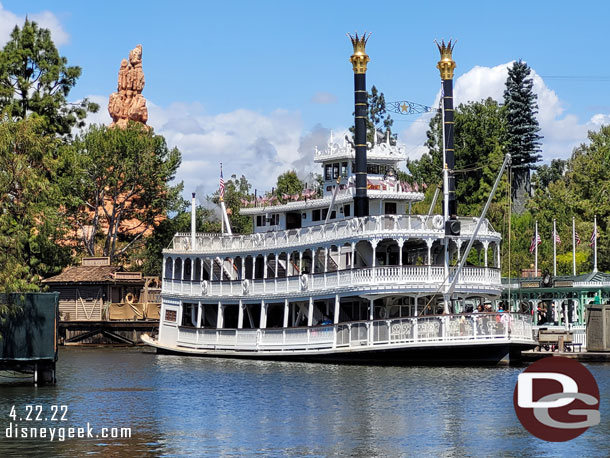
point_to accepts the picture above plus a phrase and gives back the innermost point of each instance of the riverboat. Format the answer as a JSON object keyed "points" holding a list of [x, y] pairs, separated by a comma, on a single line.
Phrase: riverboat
{"points": [[351, 276]]}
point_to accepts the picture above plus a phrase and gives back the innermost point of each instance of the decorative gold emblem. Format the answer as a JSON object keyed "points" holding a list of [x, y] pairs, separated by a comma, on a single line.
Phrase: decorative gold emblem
{"points": [[360, 58], [446, 65]]}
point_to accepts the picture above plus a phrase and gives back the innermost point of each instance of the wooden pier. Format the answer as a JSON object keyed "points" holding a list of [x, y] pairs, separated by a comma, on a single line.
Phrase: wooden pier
{"points": [[125, 332]]}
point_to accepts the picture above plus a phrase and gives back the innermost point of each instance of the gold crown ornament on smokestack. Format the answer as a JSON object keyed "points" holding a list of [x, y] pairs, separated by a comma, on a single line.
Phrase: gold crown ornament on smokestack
{"points": [[446, 65], [360, 58]]}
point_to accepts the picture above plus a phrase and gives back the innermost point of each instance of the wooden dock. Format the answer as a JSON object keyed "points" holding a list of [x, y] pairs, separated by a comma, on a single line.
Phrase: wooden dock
{"points": [[103, 332], [582, 356]]}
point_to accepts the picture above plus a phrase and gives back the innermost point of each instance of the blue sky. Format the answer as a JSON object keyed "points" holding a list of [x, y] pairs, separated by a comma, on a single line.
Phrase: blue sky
{"points": [[258, 85]]}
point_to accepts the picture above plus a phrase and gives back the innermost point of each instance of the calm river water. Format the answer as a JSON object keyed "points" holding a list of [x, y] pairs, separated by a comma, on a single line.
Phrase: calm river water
{"points": [[182, 406]]}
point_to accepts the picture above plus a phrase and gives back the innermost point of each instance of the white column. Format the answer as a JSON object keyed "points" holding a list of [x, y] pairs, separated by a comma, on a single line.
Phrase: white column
{"points": [[264, 266], [325, 259], [163, 270], [337, 304], [310, 312], [240, 315], [182, 269], [429, 243], [222, 269], [193, 220], [353, 255], [371, 309], [201, 269], [286, 310], [300, 262], [263, 321], [173, 268], [277, 258], [243, 267], [199, 314], [498, 264], [219, 320], [401, 242], [485, 247]]}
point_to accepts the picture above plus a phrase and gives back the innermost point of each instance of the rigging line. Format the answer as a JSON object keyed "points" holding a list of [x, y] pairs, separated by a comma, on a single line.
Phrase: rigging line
{"points": [[510, 173]]}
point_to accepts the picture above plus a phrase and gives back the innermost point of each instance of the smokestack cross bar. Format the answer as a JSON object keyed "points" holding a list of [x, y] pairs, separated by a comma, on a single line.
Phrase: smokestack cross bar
{"points": [[446, 66], [359, 60]]}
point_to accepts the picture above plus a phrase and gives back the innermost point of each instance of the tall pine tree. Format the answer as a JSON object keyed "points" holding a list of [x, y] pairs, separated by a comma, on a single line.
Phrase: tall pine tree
{"points": [[522, 138]]}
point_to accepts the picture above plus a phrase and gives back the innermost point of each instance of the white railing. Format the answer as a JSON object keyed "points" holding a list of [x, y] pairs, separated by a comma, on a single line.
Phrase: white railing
{"points": [[464, 328], [399, 277], [381, 226]]}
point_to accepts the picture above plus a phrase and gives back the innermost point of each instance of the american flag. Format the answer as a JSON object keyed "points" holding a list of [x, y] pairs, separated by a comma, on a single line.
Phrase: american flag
{"points": [[577, 237], [557, 238], [221, 184], [533, 244], [593, 236]]}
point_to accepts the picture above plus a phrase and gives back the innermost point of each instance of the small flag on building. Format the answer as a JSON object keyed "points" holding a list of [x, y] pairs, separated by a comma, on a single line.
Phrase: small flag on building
{"points": [[533, 244], [593, 236], [577, 238], [557, 238]]}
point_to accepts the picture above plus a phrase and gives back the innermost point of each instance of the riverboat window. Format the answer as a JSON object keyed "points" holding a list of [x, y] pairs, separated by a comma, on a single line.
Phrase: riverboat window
{"points": [[275, 219], [170, 315], [304, 216], [328, 170], [344, 169], [390, 208], [372, 168], [260, 220], [324, 213], [189, 314], [315, 215], [335, 171], [346, 210], [333, 215]]}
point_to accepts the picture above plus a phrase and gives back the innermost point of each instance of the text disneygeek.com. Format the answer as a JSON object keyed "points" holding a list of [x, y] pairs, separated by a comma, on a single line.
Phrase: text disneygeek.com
{"points": [[61, 433]]}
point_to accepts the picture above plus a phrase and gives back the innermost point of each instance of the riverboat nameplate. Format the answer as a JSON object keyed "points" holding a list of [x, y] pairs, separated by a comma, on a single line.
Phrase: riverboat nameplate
{"points": [[563, 284]]}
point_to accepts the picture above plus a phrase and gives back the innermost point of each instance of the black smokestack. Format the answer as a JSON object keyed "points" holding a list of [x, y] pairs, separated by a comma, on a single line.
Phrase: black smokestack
{"points": [[359, 60], [446, 66]]}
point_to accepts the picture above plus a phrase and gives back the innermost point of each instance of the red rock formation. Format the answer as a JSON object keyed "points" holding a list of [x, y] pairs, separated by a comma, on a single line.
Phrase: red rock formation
{"points": [[128, 103]]}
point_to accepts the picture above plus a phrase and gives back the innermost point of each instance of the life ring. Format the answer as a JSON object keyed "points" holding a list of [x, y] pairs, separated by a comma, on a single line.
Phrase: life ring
{"points": [[129, 298], [204, 287], [437, 221], [245, 284], [304, 281]]}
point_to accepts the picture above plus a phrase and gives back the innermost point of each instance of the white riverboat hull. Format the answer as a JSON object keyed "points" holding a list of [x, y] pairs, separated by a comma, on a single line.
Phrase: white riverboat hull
{"points": [[406, 342]]}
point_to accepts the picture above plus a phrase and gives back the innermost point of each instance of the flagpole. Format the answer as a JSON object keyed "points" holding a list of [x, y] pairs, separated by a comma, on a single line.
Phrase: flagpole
{"points": [[595, 244], [554, 249], [573, 246], [536, 251]]}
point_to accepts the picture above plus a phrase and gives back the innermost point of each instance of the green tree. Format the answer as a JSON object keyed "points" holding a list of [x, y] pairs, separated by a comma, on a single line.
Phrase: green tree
{"points": [[479, 127], [547, 174], [288, 183], [150, 258], [379, 122], [522, 138], [34, 78], [236, 190], [122, 183], [31, 221]]}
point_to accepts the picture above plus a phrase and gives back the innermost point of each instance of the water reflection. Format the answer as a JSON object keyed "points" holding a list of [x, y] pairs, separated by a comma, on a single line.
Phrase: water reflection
{"points": [[195, 406]]}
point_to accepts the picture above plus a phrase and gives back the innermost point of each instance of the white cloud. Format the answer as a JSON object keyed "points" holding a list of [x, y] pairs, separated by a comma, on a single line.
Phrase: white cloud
{"points": [[45, 19], [562, 132], [323, 98]]}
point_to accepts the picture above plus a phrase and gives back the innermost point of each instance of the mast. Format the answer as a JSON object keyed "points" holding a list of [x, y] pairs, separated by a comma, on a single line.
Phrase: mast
{"points": [[359, 60], [452, 226]]}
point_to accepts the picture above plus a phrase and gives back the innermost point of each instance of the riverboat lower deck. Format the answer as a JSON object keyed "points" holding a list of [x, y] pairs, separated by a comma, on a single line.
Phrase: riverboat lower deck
{"points": [[479, 338]]}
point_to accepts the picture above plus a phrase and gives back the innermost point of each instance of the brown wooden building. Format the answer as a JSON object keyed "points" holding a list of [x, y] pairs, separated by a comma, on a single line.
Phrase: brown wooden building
{"points": [[97, 291]]}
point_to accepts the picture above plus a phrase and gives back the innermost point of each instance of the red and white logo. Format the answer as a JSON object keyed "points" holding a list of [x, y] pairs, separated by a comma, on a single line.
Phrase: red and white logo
{"points": [[557, 399]]}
